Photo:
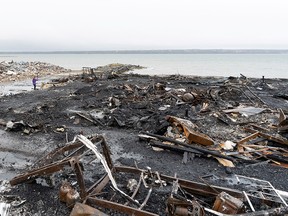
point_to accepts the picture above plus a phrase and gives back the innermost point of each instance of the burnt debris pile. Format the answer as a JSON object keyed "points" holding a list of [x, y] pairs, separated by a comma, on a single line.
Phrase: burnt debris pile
{"points": [[235, 123]]}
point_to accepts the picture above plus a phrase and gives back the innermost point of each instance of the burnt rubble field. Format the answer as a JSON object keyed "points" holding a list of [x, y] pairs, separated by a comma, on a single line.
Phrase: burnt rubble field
{"points": [[120, 143]]}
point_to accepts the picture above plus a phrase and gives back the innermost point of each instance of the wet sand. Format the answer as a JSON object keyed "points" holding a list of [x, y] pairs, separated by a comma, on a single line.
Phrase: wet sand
{"points": [[25, 84]]}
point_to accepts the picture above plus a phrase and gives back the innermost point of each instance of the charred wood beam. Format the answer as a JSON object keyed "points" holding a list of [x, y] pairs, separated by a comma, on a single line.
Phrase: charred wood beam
{"points": [[283, 96], [176, 97], [190, 186], [45, 170], [74, 162], [91, 146], [202, 150], [247, 96], [96, 120], [98, 188], [91, 120], [273, 211], [268, 136], [119, 207], [68, 147], [81, 209], [257, 164], [48, 158], [278, 158], [174, 148], [252, 136], [255, 95], [146, 199], [106, 152], [92, 188]]}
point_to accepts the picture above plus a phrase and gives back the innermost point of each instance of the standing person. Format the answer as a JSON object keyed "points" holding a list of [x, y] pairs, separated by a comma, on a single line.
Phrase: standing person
{"points": [[34, 80]]}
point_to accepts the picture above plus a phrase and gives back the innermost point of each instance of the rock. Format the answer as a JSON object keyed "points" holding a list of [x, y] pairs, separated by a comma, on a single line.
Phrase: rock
{"points": [[27, 69], [187, 97], [131, 185], [3, 122], [11, 73]]}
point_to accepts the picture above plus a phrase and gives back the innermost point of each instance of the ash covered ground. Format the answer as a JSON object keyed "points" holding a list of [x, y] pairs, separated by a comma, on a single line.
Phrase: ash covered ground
{"points": [[121, 106]]}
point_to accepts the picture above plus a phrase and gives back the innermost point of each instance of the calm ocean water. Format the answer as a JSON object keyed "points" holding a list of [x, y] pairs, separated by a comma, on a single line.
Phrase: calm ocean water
{"points": [[250, 65]]}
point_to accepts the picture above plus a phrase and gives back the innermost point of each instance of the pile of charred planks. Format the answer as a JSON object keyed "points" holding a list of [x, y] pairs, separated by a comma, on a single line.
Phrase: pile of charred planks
{"points": [[184, 197]]}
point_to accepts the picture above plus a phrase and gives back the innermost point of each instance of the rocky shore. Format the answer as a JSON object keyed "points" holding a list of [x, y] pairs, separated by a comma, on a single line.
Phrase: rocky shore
{"points": [[15, 71]]}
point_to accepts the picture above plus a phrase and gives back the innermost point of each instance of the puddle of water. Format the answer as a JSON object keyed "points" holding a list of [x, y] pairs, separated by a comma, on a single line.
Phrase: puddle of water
{"points": [[116, 153], [6, 174], [15, 159], [4, 209], [11, 161], [14, 88], [19, 86]]}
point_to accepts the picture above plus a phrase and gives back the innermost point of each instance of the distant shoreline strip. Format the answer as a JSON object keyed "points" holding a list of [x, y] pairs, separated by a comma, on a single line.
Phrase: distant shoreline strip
{"points": [[185, 51]]}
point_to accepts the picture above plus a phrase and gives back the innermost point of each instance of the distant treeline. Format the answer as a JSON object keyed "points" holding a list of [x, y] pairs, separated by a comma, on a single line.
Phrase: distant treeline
{"points": [[179, 51]]}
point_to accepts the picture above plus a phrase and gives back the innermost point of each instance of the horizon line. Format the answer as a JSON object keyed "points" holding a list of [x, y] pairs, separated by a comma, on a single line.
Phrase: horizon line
{"points": [[150, 51]]}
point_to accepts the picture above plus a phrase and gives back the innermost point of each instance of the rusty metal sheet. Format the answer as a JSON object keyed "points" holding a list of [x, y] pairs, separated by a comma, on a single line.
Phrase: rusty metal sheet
{"points": [[190, 133], [228, 204]]}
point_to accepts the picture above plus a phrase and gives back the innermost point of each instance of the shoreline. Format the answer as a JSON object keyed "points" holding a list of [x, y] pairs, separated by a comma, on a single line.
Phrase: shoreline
{"points": [[24, 84], [161, 51], [254, 66]]}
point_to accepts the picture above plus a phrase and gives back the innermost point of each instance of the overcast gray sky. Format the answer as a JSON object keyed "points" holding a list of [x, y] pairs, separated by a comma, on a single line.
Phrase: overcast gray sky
{"points": [[50, 25]]}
